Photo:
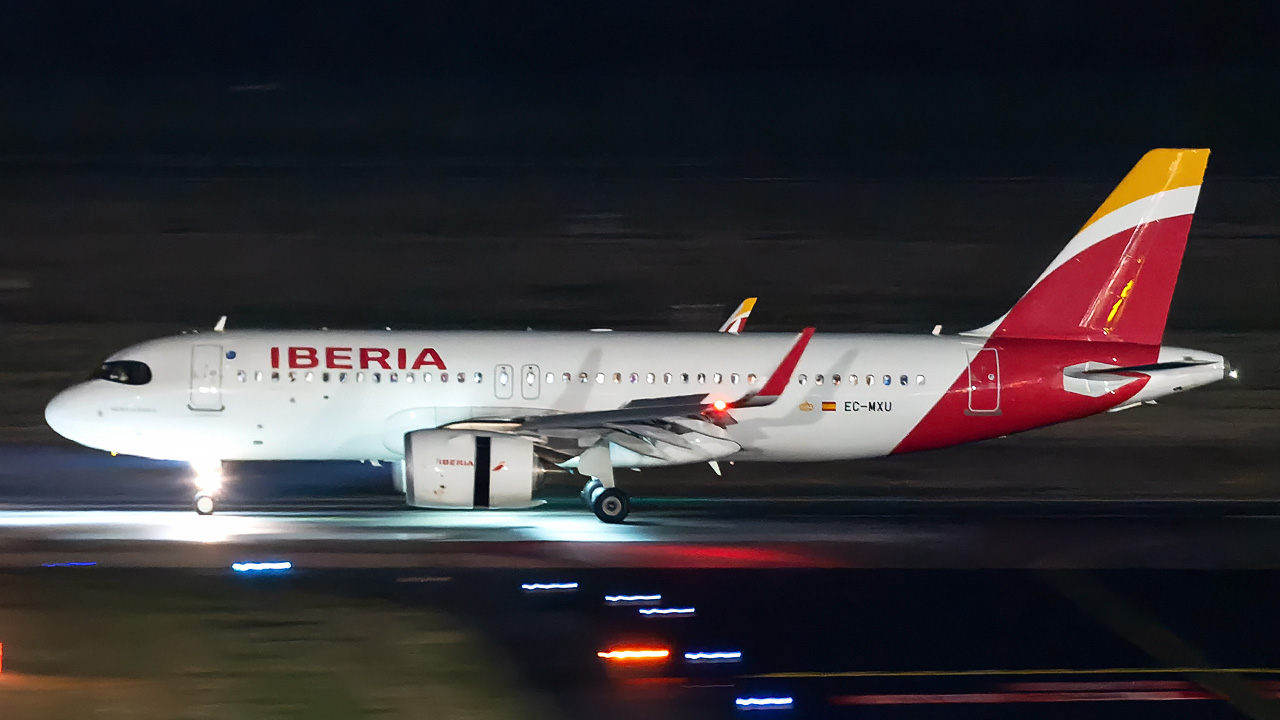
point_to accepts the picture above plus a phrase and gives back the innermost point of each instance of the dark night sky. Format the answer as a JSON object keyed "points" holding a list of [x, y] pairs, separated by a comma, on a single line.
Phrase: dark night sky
{"points": [[906, 86]]}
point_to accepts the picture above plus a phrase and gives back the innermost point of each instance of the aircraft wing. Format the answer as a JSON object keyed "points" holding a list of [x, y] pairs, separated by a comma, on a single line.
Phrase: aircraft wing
{"points": [[654, 426]]}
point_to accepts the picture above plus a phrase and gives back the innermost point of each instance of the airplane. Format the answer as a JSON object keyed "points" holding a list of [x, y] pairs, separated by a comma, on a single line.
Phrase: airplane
{"points": [[475, 419]]}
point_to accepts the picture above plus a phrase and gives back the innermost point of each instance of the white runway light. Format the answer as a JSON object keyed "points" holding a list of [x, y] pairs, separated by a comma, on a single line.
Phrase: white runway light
{"points": [[679, 612], [631, 599], [262, 566], [536, 587]]}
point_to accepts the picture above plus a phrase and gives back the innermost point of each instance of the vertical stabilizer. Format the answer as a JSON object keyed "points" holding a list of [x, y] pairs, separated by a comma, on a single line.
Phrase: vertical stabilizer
{"points": [[1115, 279]]}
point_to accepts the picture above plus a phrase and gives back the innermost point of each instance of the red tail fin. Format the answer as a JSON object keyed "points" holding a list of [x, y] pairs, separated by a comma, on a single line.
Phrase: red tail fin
{"points": [[1114, 280]]}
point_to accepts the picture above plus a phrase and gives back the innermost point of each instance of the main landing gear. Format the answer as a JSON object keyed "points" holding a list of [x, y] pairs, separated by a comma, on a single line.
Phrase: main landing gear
{"points": [[611, 505]]}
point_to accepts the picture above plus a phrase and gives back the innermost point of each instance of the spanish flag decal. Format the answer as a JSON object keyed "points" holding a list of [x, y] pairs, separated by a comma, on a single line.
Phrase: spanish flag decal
{"points": [[828, 407]]}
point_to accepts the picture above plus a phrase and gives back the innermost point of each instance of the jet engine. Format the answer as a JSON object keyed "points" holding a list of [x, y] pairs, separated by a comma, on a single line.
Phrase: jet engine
{"points": [[460, 469]]}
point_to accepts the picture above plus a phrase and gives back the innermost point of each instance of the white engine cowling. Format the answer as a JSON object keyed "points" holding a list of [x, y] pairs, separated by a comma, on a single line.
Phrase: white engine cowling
{"points": [[449, 469]]}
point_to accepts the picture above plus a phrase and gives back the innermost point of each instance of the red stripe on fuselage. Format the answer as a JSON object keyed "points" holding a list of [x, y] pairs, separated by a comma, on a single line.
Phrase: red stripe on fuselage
{"points": [[1031, 392]]}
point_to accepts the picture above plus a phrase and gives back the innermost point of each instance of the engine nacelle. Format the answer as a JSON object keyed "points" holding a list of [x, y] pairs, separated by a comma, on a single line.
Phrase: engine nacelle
{"points": [[451, 469]]}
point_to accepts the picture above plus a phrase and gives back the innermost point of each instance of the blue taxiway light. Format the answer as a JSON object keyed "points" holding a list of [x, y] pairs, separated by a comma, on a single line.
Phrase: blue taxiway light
{"points": [[763, 703], [261, 566], [718, 656], [71, 564], [531, 587]]}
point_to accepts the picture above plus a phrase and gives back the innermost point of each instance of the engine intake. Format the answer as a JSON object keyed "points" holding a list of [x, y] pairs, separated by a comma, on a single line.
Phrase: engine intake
{"points": [[452, 469]]}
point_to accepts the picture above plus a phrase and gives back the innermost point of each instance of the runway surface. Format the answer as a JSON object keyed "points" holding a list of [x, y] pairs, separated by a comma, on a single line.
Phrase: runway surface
{"points": [[795, 533]]}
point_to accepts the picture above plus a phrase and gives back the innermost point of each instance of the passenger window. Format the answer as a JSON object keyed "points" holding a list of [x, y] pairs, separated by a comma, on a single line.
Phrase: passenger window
{"points": [[478, 377], [275, 377], [666, 378], [582, 378], [444, 377], [342, 377], [551, 378], [257, 377], [751, 379], [919, 379], [310, 376], [359, 377], [733, 379], [717, 378], [888, 380], [684, 378], [293, 376], [617, 377], [531, 378], [408, 377], [502, 378], [462, 377], [853, 379], [377, 377], [802, 379], [871, 380], [324, 377], [568, 378], [393, 377], [426, 377], [817, 379], [702, 378], [240, 375], [635, 378], [599, 378], [835, 379], [903, 380], [650, 378]]}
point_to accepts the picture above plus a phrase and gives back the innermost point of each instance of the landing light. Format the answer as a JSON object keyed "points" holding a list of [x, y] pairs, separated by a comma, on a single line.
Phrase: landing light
{"points": [[208, 477], [1234, 374], [720, 405]]}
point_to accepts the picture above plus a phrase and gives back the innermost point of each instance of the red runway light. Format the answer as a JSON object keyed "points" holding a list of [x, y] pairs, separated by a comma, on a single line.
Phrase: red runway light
{"points": [[635, 654]]}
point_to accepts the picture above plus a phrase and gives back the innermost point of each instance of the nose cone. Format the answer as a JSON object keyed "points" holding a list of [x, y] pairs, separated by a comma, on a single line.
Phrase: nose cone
{"points": [[61, 414]]}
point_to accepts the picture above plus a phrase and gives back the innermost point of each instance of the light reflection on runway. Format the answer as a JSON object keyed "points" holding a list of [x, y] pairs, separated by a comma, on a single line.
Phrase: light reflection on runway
{"points": [[721, 535]]}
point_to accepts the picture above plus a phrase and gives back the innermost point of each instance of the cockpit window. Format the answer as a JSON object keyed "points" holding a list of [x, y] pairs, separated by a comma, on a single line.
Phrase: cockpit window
{"points": [[128, 372]]}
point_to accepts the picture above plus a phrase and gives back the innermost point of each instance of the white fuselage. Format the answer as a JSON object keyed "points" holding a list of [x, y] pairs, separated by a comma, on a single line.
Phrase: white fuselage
{"points": [[314, 395]]}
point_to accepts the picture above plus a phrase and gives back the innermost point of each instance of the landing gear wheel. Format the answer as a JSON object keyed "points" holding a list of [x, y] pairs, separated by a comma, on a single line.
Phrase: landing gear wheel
{"points": [[588, 491], [611, 505], [204, 504]]}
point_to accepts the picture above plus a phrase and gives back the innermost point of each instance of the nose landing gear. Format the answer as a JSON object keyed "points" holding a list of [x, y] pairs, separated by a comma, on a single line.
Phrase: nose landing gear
{"points": [[203, 503], [208, 481]]}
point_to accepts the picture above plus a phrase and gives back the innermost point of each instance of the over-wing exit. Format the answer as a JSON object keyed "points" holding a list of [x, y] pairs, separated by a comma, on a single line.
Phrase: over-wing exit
{"points": [[474, 419]]}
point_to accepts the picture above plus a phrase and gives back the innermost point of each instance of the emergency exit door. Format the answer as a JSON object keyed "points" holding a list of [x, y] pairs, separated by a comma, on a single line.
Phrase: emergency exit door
{"points": [[984, 381], [206, 378]]}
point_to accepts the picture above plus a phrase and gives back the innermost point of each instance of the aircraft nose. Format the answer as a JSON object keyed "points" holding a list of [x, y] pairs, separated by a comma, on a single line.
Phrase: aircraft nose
{"points": [[60, 414]]}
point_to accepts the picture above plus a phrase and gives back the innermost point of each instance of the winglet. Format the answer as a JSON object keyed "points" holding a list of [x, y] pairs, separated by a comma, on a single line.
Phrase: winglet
{"points": [[778, 381], [738, 319], [221, 325]]}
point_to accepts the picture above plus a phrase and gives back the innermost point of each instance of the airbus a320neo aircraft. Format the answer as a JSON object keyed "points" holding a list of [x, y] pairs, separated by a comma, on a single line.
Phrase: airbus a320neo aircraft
{"points": [[473, 419]]}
